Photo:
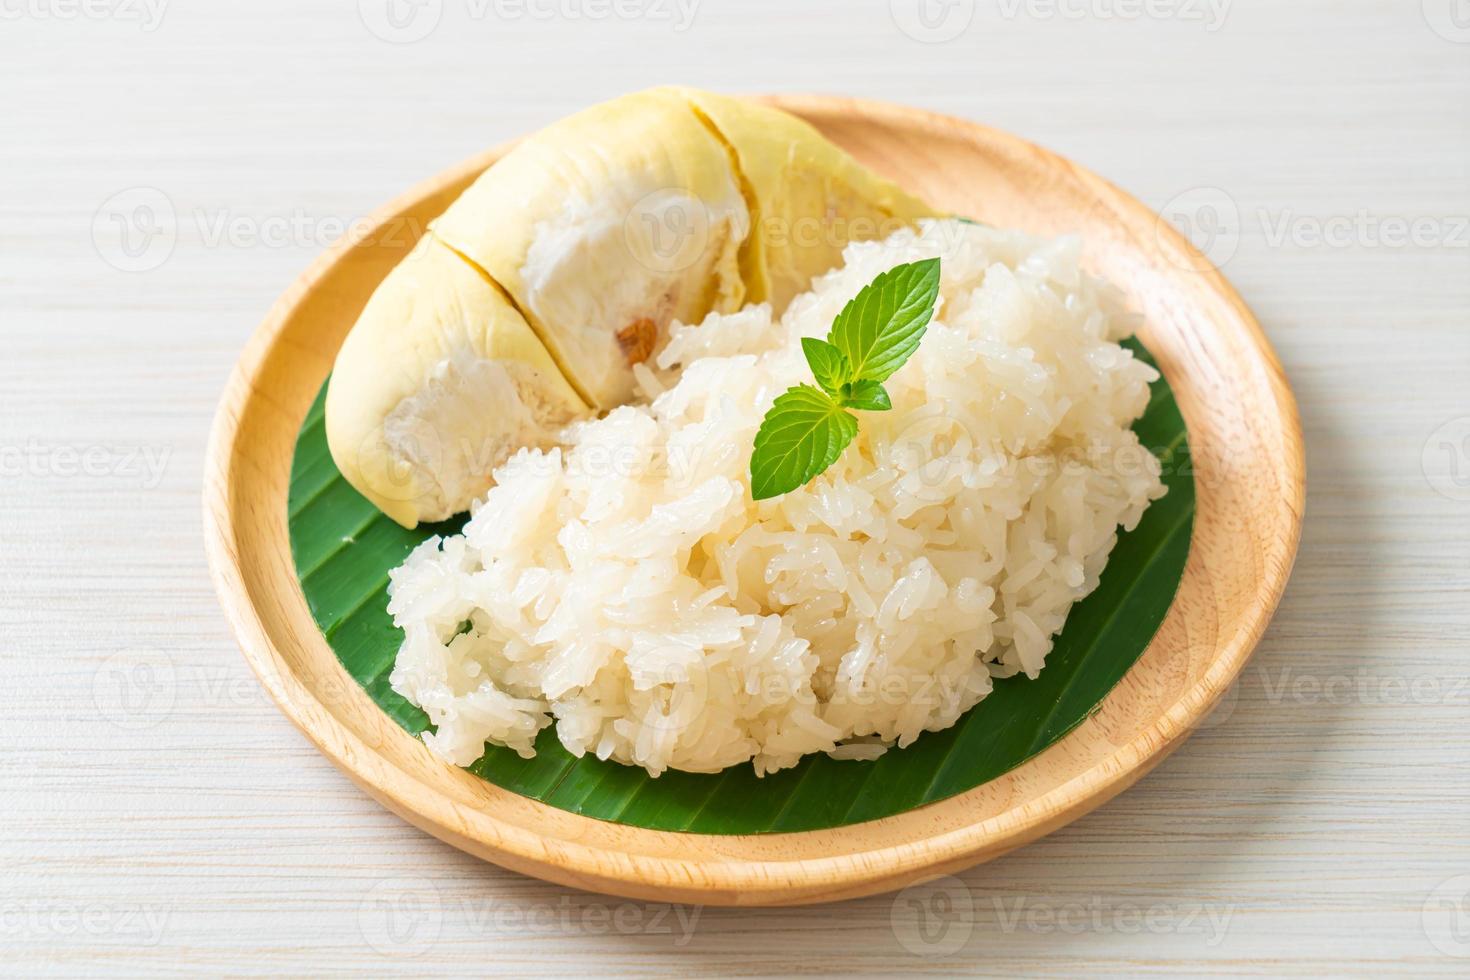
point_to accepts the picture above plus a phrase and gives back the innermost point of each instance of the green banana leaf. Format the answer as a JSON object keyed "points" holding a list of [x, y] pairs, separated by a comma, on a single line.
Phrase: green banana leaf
{"points": [[344, 548]]}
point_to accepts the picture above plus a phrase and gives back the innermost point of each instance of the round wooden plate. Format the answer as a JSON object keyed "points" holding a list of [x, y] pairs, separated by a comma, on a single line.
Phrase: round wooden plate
{"points": [[1249, 471]]}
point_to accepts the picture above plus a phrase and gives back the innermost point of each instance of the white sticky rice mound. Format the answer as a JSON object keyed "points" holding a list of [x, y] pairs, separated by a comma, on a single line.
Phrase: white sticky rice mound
{"points": [[626, 588]]}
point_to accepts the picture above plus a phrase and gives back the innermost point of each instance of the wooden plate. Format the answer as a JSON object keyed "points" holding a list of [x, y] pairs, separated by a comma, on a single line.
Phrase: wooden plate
{"points": [[1247, 451]]}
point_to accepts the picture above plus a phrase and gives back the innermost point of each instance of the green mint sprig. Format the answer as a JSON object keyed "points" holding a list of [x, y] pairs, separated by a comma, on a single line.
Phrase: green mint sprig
{"points": [[807, 428]]}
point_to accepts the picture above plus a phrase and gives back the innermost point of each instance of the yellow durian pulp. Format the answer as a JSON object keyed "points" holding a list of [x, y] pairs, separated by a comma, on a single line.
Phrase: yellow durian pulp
{"points": [[531, 298], [439, 381], [606, 227], [810, 198]]}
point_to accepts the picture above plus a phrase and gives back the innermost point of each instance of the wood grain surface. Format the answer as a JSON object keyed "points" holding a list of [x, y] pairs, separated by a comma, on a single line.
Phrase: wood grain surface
{"points": [[164, 818], [1245, 458]]}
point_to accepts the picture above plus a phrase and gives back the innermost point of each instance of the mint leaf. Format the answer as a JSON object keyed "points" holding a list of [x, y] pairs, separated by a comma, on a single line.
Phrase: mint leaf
{"points": [[807, 428], [869, 396], [803, 433], [828, 364], [882, 325]]}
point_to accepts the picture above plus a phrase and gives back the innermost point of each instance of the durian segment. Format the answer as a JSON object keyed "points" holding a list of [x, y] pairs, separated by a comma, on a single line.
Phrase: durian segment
{"points": [[440, 380], [563, 265], [810, 197], [604, 228]]}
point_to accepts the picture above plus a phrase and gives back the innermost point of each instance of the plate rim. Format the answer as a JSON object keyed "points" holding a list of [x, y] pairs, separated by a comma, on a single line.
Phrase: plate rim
{"points": [[782, 868]]}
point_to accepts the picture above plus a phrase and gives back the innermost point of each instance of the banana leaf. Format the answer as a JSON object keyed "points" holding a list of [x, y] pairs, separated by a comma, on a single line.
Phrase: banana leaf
{"points": [[344, 548]]}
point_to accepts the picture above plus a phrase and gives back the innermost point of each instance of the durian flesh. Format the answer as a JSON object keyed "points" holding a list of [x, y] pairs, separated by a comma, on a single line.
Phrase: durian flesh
{"points": [[530, 299], [438, 382]]}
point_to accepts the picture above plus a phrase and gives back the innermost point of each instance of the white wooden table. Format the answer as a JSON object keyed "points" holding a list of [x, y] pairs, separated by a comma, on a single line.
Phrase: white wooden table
{"points": [[159, 815]]}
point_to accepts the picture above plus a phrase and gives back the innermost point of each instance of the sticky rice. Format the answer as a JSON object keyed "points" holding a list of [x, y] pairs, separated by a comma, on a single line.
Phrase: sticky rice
{"points": [[624, 587]]}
